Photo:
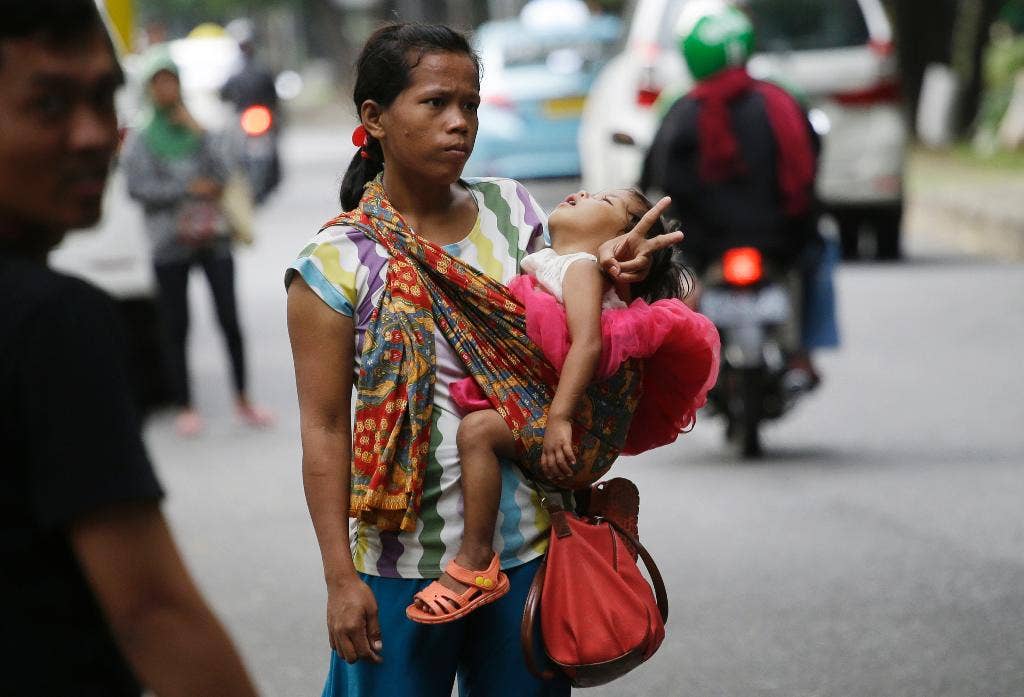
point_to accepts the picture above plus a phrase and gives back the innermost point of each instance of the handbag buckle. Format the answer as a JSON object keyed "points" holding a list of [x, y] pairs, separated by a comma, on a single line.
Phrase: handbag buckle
{"points": [[550, 503], [560, 524]]}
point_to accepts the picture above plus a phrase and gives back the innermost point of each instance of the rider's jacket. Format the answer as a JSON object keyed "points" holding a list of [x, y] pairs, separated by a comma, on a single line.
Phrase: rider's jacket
{"points": [[747, 207], [252, 84]]}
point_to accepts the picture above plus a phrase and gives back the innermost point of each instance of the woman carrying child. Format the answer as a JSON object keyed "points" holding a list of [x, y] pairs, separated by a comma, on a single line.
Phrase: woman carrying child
{"points": [[363, 311]]}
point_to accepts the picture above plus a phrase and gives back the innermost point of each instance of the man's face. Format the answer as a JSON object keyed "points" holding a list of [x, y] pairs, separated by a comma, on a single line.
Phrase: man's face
{"points": [[58, 131]]}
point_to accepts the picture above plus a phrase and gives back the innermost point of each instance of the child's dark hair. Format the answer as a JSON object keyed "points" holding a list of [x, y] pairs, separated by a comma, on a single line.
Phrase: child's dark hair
{"points": [[667, 277], [383, 70]]}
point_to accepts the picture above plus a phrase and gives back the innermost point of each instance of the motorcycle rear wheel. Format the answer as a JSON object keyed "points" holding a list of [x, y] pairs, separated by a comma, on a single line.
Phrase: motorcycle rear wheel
{"points": [[743, 429]]}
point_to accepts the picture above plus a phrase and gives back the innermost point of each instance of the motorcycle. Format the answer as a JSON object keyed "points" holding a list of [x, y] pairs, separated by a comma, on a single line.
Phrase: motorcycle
{"points": [[253, 148], [751, 307]]}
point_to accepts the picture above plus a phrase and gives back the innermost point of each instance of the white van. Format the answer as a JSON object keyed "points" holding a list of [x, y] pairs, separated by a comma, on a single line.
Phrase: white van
{"points": [[838, 54]]}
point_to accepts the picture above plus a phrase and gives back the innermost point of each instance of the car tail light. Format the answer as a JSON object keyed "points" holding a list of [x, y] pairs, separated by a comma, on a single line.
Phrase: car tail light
{"points": [[887, 91], [257, 120], [742, 266], [647, 96], [881, 48], [648, 86], [498, 101]]}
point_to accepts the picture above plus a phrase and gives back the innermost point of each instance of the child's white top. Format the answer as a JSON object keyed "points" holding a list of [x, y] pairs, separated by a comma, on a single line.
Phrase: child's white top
{"points": [[549, 267]]}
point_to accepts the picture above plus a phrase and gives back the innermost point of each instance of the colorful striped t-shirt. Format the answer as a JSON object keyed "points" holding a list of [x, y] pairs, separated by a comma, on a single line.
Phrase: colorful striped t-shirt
{"points": [[347, 271]]}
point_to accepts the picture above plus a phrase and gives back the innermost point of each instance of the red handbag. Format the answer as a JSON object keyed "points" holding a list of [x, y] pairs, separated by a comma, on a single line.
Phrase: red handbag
{"points": [[599, 617]]}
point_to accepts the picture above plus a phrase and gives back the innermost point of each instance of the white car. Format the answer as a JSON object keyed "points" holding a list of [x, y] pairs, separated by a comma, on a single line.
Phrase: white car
{"points": [[836, 54]]}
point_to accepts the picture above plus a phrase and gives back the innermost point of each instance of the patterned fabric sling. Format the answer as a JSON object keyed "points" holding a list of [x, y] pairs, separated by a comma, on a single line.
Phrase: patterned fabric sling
{"points": [[486, 326]]}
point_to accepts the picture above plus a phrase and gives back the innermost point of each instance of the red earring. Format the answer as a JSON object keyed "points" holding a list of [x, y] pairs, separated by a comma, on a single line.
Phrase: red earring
{"points": [[360, 139]]}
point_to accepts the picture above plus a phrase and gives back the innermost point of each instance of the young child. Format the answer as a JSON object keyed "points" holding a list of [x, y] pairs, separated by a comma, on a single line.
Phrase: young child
{"points": [[586, 330]]}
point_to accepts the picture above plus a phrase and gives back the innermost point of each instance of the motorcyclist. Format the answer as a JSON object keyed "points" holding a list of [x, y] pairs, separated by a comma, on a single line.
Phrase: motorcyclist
{"points": [[253, 85], [738, 156]]}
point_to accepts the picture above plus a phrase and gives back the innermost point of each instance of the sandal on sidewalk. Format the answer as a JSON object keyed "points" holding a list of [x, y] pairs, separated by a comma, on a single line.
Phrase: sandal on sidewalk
{"points": [[447, 605]]}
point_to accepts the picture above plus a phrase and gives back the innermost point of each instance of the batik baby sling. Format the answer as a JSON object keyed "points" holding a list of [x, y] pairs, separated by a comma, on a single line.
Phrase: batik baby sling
{"points": [[486, 326]]}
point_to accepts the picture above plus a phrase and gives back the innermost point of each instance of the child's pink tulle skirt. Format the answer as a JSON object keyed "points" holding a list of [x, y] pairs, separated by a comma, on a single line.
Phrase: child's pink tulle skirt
{"points": [[679, 346]]}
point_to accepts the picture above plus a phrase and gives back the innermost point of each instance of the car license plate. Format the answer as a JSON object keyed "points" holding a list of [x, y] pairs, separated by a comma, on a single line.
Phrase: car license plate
{"points": [[564, 107], [731, 308], [259, 147]]}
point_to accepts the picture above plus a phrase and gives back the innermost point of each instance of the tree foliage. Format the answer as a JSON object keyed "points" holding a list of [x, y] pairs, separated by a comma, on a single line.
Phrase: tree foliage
{"points": [[190, 12], [954, 32]]}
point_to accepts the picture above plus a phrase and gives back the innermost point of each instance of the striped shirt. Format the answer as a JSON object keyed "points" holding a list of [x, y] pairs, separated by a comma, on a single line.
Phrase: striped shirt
{"points": [[348, 272]]}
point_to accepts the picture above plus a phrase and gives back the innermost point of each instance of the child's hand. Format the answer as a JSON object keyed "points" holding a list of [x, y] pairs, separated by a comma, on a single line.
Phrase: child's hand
{"points": [[181, 116], [557, 458], [627, 258]]}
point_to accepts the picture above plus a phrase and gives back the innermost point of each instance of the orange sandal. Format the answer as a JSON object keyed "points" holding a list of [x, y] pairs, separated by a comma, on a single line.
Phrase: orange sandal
{"points": [[447, 605]]}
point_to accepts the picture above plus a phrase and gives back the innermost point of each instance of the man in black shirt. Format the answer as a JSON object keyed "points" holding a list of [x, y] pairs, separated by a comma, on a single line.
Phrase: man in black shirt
{"points": [[96, 599]]}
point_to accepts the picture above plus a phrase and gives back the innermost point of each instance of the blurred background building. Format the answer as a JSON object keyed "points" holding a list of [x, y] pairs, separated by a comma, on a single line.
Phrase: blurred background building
{"points": [[978, 41]]}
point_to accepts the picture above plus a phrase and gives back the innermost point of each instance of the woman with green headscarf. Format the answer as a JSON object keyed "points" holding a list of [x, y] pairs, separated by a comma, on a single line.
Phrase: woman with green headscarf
{"points": [[174, 169]]}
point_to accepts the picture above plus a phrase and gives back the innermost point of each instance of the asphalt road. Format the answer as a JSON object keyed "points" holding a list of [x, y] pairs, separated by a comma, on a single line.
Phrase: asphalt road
{"points": [[878, 550]]}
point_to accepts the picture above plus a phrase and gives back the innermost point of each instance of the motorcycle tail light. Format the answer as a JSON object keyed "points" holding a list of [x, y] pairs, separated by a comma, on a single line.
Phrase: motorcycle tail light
{"points": [[742, 266], [257, 120]]}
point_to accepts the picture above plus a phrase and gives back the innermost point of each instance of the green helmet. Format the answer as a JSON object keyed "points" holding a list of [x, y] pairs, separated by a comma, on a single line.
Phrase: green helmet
{"points": [[713, 36]]}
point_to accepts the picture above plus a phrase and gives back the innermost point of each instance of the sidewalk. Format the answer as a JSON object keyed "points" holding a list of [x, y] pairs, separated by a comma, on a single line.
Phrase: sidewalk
{"points": [[959, 203]]}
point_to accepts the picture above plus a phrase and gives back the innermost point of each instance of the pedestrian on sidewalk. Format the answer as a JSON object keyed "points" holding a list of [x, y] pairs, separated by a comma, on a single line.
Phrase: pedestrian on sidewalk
{"points": [[173, 168], [95, 596], [417, 91]]}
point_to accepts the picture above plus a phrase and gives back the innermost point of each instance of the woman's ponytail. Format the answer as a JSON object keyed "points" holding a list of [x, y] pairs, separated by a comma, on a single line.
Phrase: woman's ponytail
{"points": [[361, 170]]}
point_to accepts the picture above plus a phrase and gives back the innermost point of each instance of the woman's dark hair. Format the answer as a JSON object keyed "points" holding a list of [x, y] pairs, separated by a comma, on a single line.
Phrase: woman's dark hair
{"points": [[383, 70], [668, 277]]}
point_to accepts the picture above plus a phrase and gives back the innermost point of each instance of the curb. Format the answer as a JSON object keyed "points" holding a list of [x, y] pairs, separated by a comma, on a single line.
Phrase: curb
{"points": [[968, 227], [971, 211]]}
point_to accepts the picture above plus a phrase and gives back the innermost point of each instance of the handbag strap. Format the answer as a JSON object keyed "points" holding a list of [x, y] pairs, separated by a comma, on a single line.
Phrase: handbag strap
{"points": [[531, 609], [526, 632], [660, 595]]}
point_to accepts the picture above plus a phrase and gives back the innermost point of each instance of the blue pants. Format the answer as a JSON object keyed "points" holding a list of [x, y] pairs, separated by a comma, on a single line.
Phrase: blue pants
{"points": [[420, 660], [820, 325]]}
